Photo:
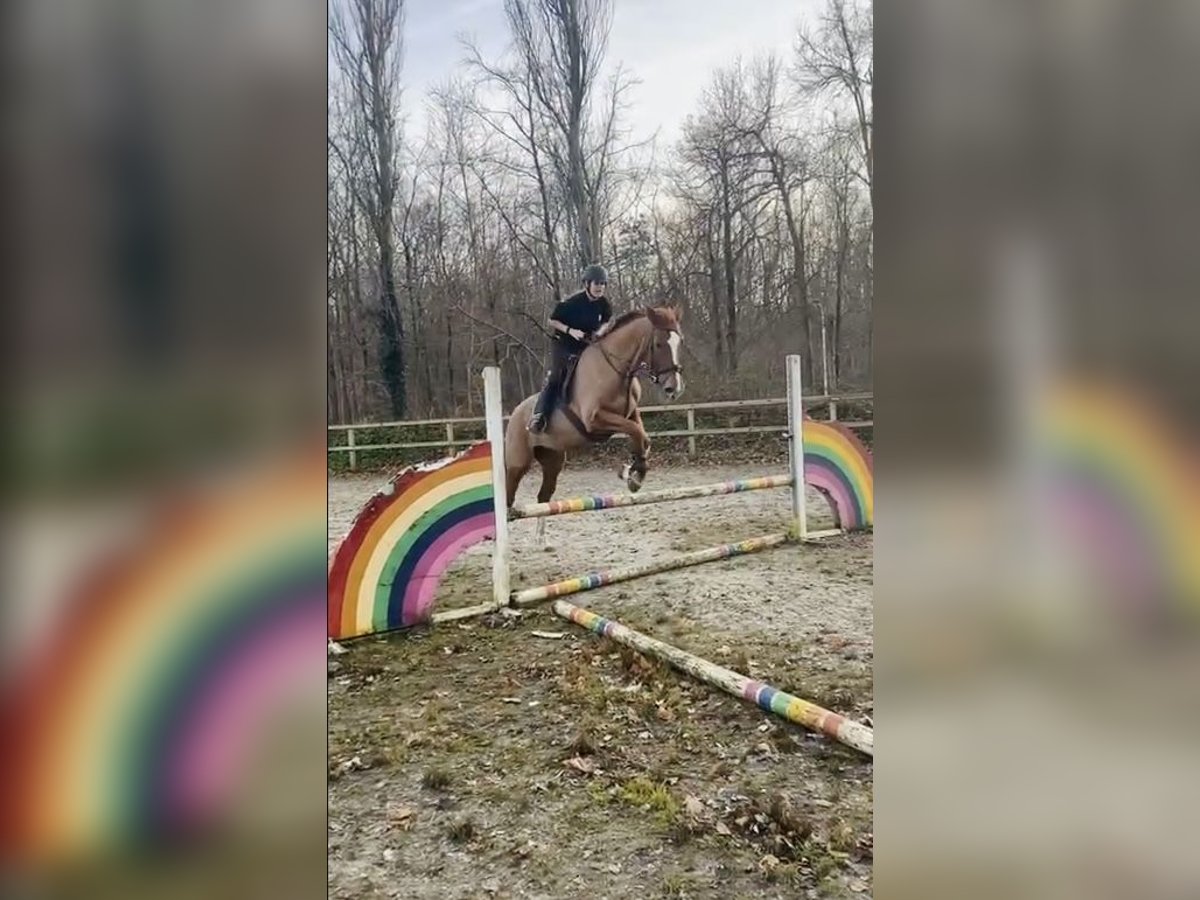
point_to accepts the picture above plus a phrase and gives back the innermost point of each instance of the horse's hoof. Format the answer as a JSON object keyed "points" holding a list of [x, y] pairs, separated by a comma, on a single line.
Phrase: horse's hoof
{"points": [[635, 483]]}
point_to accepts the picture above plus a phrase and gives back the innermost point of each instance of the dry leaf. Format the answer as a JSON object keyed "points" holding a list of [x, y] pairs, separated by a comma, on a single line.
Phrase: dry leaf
{"points": [[722, 828], [581, 764], [769, 863], [693, 806]]}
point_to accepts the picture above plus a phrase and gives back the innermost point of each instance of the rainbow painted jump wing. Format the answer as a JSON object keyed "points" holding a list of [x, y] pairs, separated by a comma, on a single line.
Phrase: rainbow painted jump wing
{"points": [[838, 465], [385, 572]]}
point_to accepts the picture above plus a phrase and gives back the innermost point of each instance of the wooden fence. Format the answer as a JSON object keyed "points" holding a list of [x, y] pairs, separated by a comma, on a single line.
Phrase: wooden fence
{"points": [[462, 432]]}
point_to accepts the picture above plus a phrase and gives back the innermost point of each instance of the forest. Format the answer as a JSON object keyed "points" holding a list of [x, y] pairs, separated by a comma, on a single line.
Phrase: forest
{"points": [[448, 246]]}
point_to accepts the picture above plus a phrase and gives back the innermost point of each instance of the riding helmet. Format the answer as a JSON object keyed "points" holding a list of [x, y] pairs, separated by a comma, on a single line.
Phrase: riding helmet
{"points": [[595, 274]]}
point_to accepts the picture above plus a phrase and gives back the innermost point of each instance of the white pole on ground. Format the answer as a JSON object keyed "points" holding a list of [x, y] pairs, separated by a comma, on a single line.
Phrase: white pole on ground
{"points": [[795, 389], [493, 410]]}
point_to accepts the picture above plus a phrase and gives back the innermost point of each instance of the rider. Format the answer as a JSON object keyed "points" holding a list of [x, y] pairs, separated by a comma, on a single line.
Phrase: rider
{"points": [[576, 321]]}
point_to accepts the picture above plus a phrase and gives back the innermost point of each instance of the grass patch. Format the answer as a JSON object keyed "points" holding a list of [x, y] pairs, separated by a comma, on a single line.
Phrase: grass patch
{"points": [[463, 831], [678, 886], [657, 798]]}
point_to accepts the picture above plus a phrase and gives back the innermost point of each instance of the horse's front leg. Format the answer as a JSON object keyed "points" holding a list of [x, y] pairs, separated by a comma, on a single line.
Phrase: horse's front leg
{"points": [[634, 471]]}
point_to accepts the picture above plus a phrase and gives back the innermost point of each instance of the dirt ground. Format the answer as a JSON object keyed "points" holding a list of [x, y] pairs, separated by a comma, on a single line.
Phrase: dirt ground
{"points": [[479, 759]]}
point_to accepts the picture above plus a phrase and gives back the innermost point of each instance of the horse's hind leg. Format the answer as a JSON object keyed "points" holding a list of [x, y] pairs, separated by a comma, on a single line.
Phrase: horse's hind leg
{"points": [[551, 462], [512, 479]]}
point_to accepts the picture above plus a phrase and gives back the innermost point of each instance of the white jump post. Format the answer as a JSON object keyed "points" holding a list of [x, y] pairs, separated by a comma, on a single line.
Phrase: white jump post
{"points": [[494, 416], [795, 396]]}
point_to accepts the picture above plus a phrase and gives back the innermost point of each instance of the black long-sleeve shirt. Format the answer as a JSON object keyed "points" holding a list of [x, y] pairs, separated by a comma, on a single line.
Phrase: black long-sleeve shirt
{"points": [[581, 312]]}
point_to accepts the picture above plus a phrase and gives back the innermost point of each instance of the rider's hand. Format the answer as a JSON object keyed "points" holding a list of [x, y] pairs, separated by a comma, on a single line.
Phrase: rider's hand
{"points": [[577, 334]]}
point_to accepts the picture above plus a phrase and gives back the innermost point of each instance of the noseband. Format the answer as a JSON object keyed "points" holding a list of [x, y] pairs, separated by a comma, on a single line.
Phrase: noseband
{"points": [[656, 374]]}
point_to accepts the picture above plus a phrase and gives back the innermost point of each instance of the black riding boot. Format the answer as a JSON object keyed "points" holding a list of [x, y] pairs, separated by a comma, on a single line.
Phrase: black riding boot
{"points": [[545, 405], [560, 361]]}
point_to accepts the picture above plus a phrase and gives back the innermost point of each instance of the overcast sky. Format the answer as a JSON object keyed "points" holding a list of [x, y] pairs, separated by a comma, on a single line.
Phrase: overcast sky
{"points": [[670, 46]]}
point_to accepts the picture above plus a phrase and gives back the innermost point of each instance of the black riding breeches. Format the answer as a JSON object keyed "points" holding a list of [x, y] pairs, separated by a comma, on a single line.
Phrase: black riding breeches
{"points": [[560, 362]]}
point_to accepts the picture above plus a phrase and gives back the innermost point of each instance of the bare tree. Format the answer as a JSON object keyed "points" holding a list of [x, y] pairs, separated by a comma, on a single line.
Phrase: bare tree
{"points": [[838, 59], [722, 160], [366, 38], [772, 127], [561, 45]]}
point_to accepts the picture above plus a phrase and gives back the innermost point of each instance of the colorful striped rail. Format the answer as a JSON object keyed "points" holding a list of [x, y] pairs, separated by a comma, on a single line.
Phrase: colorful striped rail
{"points": [[615, 501], [794, 709], [594, 580]]}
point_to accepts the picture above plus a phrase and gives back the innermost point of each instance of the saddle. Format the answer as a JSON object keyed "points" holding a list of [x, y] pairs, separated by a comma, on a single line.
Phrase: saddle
{"points": [[568, 382], [563, 404]]}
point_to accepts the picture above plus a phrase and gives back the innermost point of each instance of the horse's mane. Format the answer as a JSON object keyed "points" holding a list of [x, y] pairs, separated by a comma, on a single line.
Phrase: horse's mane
{"points": [[635, 314], [625, 318]]}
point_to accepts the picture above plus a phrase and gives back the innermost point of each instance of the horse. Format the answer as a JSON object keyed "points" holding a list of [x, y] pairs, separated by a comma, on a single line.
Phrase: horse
{"points": [[600, 399]]}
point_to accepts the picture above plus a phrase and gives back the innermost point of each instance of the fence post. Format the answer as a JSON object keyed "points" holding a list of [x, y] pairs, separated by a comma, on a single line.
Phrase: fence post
{"points": [[353, 455], [833, 410], [691, 413], [449, 438]]}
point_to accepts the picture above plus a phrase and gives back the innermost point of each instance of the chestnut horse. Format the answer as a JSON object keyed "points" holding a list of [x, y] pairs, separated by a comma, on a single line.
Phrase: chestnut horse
{"points": [[601, 400]]}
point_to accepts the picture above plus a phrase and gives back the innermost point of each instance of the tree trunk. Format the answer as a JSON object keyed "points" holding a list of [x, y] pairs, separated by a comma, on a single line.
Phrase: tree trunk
{"points": [[839, 291], [798, 289], [391, 326], [730, 275], [715, 307]]}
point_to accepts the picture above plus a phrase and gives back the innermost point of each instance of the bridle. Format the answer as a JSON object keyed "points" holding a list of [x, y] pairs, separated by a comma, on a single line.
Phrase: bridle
{"points": [[653, 374]]}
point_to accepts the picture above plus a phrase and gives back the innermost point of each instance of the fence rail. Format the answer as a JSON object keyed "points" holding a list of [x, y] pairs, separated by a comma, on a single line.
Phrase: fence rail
{"points": [[451, 442]]}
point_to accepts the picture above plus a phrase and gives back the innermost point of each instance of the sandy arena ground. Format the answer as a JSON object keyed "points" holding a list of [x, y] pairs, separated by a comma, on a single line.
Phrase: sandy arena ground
{"points": [[478, 759]]}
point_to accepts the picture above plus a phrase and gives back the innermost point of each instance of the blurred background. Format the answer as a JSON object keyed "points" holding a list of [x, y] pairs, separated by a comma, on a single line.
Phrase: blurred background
{"points": [[165, 640], [1036, 380]]}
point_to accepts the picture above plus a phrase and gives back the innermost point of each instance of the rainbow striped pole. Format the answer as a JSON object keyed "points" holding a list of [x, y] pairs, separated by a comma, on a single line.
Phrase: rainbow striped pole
{"points": [[615, 501], [593, 580], [802, 712]]}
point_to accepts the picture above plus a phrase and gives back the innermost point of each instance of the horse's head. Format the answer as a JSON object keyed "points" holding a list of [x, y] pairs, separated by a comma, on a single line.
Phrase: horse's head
{"points": [[663, 364]]}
